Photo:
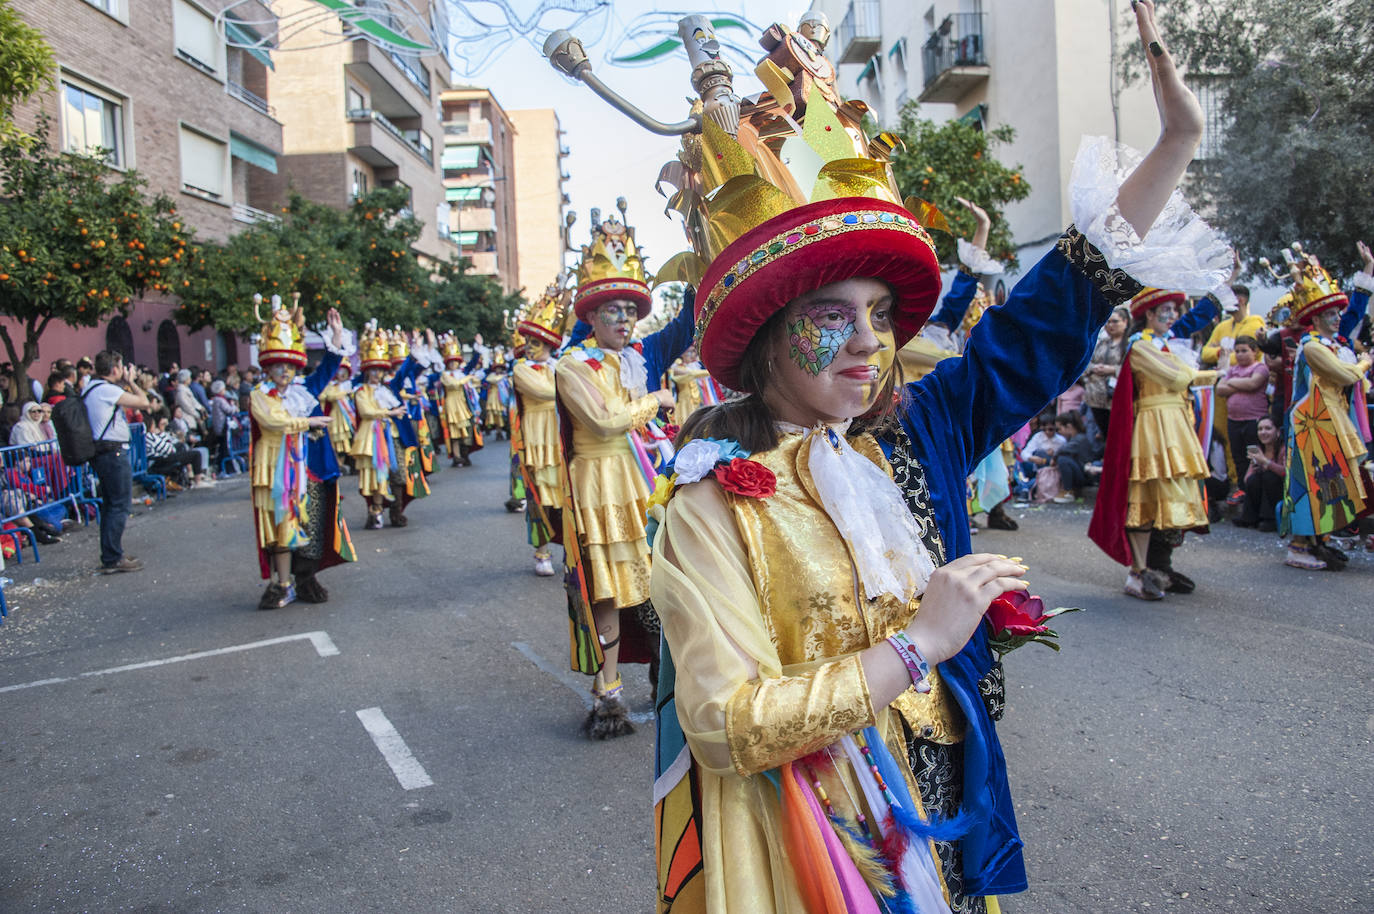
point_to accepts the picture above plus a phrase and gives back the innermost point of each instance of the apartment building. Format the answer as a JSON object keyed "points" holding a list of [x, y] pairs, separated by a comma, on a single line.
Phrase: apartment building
{"points": [[1045, 67], [540, 200], [156, 85], [480, 182], [356, 116]]}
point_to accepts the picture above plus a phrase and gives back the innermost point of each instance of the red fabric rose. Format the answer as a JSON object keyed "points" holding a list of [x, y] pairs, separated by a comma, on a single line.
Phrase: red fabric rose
{"points": [[670, 432], [1017, 613], [747, 478]]}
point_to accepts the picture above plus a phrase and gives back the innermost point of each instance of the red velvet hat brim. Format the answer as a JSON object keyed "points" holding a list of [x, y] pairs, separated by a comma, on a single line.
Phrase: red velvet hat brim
{"points": [[528, 329], [383, 364], [282, 357], [1327, 303], [802, 250], [591, 296], [1147, 300]]}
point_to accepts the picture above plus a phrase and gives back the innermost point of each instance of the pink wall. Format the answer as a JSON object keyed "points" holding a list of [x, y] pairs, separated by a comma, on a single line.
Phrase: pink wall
{"points": [[62, 339]]}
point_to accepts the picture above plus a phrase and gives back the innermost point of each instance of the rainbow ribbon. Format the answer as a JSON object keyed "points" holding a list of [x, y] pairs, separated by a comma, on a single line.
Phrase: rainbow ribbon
{"points": [[381, 445], [710, 393], [288, 485]]}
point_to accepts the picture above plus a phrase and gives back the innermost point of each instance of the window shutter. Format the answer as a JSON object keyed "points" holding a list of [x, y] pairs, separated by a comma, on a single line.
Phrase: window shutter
{"points": [[202, 162], [196, 35]]}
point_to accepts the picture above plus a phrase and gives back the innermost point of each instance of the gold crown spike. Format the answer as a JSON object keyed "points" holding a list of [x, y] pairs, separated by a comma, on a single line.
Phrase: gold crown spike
{"points": [[544, 319], [612, 266], [399, 346], [282, 334], [374, 348], [450, 348], [1313, 289]]}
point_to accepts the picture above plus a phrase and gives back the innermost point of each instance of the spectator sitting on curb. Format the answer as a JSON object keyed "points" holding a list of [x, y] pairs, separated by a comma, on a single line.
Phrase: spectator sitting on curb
{"points": [[1073, 457], [169, 457]]}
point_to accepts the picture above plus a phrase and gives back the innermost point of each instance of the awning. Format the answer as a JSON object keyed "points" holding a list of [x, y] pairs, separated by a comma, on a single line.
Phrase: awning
{"points": [[897, 48], [466, 194], [870, 70], [252, 153], [466, 239], [244, 37], [975, 115], [459, 157]]}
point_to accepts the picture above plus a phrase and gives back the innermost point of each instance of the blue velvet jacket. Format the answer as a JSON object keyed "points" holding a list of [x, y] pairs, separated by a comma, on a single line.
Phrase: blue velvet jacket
{"points": [[1019, 357], [405, 379], [319, 451], [956, 302]]}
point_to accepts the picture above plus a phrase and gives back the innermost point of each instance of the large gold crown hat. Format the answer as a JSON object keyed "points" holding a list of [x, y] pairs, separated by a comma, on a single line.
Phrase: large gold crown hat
{"points": [[282, 338], [450, 349], [778, 198], [543, 320], [612, 266], [399, 346], [374, 348], [1313, 289]]}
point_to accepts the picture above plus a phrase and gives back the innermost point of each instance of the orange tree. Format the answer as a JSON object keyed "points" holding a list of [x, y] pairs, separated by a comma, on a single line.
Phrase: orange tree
{"points": [[956, 159], [468, 303], [357, 260], [77, 243]]}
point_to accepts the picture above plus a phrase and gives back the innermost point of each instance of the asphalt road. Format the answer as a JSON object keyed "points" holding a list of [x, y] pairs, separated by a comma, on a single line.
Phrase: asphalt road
{"points": [[1207, 753]]}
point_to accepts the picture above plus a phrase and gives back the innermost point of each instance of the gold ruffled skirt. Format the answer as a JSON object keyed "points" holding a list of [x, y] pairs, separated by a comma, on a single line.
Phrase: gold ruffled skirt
{"points": [[1166, 465], [611, 500]]}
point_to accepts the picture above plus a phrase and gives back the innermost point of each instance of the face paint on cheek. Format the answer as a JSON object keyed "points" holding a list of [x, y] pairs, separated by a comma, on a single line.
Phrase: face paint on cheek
{"points": [[818, 334]]}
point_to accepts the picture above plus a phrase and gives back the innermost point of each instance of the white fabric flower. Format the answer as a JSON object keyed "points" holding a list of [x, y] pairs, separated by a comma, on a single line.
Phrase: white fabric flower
{"points": [[1180, 251], [695, 460]]}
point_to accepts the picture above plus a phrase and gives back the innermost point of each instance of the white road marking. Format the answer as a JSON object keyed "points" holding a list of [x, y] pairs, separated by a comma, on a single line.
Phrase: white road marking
{"points": [[323, 644], [574, 683], [403, 764]]}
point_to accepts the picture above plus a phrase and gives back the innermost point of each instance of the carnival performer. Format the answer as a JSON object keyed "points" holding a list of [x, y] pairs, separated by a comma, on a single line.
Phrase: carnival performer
{"points": [[603, 398], [1326, 485], [337, 401], [295, 473], [386, 474], [811, 698], [495, 394], [458, 423], [694, 386], [537, 444], [1154, 465]]}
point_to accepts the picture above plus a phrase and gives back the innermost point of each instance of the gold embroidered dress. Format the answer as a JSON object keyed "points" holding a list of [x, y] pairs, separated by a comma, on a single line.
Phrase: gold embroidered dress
{"points": [[274, 423], [457, 415], [764, 614], [336, 399], [608, 488], [1166, 457], [534, 383], [1332, 377], [370, 412]]}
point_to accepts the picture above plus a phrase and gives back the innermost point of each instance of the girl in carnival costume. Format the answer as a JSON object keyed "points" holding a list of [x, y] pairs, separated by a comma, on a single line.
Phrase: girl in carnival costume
{"points": [[459, 428], [539, 453], [337, 401], [386, 475], [294, 470], [827, 699]]}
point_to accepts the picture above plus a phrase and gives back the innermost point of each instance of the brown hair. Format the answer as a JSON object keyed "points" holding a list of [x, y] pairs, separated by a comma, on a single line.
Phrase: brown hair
{"points": [[748, 419]]}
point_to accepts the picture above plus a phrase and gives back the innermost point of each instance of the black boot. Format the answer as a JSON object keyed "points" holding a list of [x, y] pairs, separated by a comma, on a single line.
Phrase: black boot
{"points": [[308, 587], [274, 597], [397, 514], [374, 521], [998, 520]]}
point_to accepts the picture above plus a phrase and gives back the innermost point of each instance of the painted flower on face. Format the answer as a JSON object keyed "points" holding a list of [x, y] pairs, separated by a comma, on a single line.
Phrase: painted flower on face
{"points": [[804, 340], [695, 460]]}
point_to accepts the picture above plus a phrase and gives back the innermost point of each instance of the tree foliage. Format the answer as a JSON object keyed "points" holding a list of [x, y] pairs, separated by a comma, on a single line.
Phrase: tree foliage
{"points": [[1298, 104], [77, 241], [943, 161], [26, 66], [358, 260]]}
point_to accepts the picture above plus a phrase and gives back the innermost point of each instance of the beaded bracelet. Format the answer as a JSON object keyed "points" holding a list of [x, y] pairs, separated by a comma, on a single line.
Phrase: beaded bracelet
{"points": [[915, 664]]}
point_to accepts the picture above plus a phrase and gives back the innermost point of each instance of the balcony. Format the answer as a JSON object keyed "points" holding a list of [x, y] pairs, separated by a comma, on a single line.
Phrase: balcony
{"points": [[251, 215], [860, 33], [393, 90], [474, 219], [256, 102], [365, 121], [954, 58], [413, 70], [483, 262], [468, 132]]}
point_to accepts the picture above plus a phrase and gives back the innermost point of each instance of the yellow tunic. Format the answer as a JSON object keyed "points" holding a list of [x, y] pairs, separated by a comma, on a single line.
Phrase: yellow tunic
{"points": [[333, 398], [273, 422], [607, 487], [493, 416], [370, 482], [1166, 456], [761, 606], [457, 415], [539, 425], [1332, 377], [688, 398]]}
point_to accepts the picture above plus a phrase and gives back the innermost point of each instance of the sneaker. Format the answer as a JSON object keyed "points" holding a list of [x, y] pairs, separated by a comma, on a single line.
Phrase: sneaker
{"points": [[128, 563], [1300, 557], [1065, 498], [374, 522], [1140, 587], [1159, 580], [543, 567], [1235, 498]]}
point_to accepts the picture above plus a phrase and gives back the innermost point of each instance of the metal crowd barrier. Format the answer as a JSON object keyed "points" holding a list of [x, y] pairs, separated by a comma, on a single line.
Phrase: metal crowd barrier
{"points": [[34, 479], [236, 447]]}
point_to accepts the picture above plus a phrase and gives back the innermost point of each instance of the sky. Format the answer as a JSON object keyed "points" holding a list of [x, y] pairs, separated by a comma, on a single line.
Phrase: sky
{"points": [[610, 155]]}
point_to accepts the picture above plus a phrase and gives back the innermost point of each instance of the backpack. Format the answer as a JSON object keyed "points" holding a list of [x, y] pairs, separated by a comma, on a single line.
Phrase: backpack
{"points": [[73, 426]]}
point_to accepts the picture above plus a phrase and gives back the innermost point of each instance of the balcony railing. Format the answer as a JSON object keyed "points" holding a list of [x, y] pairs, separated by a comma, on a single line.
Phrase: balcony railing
{"points": [[958, 42], [413, 69], [469, 131], [245, 213], [256, 102], [860, 33], [368, 114]]}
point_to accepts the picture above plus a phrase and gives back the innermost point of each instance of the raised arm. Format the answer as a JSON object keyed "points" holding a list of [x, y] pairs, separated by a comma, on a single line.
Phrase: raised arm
{"points": [[662, 348]]}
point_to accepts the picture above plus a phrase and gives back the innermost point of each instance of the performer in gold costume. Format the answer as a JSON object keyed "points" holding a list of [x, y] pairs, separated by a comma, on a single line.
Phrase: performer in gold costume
{"points": [[377, 452], [337, 400], [457, 413], [826, 742], [539, 451]]}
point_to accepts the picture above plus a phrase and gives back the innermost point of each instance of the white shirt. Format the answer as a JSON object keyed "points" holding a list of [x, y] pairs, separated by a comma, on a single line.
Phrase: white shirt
{"points": [[102, 408]]}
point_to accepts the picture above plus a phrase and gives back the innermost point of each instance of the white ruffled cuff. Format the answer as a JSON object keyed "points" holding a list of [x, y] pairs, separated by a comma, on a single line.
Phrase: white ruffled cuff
{"points": [[1226, 298], [1179, 252], [349, 346], [1364, 282], [976, 259]]}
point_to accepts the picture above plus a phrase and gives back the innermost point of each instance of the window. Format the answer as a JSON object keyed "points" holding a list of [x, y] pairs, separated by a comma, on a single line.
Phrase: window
{"points": [[106, 6], [204, 161], [356, 101], [197, 41], [441, 215], [92, 122], [1211, 95], [359, 183]]}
